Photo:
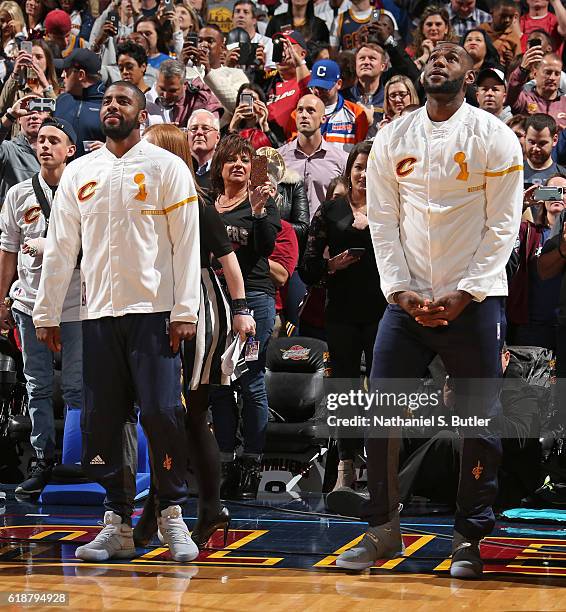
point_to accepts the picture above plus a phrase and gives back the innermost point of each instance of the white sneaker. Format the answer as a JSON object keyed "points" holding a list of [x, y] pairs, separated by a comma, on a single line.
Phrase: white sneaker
{"points": [[115, 541], [174, 533]]}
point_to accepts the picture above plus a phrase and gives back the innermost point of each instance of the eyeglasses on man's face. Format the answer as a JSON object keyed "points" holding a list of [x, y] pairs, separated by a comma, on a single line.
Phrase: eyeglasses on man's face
{"points": [[206, 129]]}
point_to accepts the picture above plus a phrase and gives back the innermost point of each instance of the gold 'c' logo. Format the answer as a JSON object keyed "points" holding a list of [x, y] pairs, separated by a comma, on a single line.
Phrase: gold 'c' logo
{"points": [[139, 180], [406, 166], [32, 214], [460, 159], [87, 191]]}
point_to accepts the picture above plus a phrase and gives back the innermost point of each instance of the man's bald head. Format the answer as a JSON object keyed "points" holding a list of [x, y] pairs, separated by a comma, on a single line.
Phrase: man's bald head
{"points": [[310, 115], [312, 99]]}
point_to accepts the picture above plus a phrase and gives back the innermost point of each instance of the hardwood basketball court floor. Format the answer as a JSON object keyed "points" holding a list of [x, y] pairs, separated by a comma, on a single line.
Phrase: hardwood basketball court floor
{"points": [[279, 556]]}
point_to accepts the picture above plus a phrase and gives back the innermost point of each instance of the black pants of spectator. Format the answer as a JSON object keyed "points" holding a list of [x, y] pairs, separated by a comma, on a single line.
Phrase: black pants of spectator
{"points": [[125, 360], [470, 349], [346, 343]]}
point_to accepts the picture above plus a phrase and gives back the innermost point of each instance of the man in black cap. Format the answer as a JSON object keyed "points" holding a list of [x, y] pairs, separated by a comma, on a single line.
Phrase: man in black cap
{"points": [[81, 102], [23, 227]]}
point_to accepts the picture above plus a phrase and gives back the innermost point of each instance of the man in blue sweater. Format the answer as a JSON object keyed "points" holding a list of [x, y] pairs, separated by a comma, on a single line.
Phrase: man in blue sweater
{"points": [[81, 102]]}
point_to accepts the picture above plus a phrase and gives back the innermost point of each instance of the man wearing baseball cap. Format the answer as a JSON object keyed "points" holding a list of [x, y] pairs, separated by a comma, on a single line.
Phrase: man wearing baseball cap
{"points": [[23, 227], [289, 84], [82, 99], [346, 122], [492, 90], [58, 32]]}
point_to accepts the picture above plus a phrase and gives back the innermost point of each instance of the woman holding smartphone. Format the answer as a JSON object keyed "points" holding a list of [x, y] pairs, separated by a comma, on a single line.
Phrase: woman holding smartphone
{"points": [[252, 221], [354, 301], [250, 117], [33, 73]]}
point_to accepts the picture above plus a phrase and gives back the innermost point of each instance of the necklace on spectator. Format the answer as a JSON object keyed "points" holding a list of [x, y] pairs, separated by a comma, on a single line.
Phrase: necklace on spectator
{"points": [[230, 202]]}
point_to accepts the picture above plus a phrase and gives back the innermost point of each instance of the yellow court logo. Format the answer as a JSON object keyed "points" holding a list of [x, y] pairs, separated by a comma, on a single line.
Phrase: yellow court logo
{"points": [[87, 191], [139, 180]]}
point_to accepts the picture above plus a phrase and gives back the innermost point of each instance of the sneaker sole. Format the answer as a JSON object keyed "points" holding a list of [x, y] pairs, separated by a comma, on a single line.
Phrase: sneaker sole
{"points": [[122, 554], [354, 565], [185, 558], [465, 571]]}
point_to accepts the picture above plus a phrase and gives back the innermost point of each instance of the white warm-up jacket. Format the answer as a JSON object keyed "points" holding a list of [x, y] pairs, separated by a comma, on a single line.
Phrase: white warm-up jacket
{"points": [[444, 203], [136, 218]]}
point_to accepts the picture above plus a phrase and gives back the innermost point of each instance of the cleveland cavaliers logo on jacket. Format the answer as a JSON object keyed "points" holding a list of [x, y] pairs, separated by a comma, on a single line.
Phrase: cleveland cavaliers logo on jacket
{"points": [[405, 166], [86, 191], [32, 214]]}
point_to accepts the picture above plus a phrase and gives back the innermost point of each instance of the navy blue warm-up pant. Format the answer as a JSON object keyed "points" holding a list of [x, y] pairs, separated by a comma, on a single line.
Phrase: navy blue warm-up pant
{"points": [[127, 361], [470, 348]]}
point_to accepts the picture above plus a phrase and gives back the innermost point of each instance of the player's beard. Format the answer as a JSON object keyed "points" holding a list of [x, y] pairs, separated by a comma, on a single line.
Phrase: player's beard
{"points": [[448, 87], [120, 131]]}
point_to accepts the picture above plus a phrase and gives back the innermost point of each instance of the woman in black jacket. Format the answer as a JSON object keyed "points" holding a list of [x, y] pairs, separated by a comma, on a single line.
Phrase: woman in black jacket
{"points": [[252, 220], [354, 301], [300, 16]]}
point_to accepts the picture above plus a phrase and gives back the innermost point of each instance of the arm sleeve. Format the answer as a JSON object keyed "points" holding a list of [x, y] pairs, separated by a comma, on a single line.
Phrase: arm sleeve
{"points": [[98, 25], [265, 230], [401, 63], [8, 94], [10, 233], [516, 97], [177, 42], [180, 202], [60, 257], [504, 205], [286, 251], [214, 232], [384, 216], [314, 266], [300, 214], [515, 257]]}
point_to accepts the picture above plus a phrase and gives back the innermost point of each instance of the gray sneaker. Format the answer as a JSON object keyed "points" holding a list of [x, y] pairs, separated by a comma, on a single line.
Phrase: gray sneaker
{"points": [[114, 541], [466, 559], [382, 542], [174, 532]]}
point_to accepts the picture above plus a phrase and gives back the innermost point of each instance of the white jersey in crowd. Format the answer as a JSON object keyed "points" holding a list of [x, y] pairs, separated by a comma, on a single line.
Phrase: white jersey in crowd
{"points": [[444, 203], [137, 218], [21, 219]]}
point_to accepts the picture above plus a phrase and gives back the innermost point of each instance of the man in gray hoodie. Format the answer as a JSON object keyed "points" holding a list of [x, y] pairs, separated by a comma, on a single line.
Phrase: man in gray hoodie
{"points": [[18, 160]]}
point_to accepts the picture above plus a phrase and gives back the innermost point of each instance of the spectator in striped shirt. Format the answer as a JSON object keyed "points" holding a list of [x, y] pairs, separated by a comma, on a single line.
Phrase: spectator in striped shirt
{"points": [[464, 16]]}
